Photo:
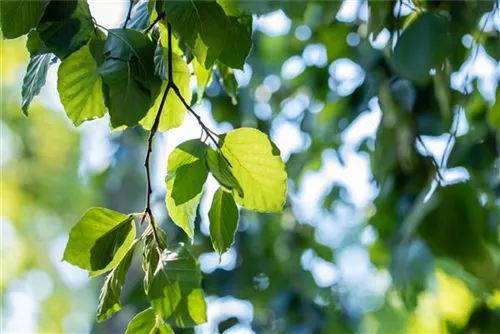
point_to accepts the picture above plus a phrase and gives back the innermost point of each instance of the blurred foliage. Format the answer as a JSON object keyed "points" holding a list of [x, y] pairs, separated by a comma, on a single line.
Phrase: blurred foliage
{"points": [[439, 241]]}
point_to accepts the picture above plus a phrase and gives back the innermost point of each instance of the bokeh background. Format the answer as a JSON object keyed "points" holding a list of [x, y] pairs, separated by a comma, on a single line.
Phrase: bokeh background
{"points": [[323, 265]]}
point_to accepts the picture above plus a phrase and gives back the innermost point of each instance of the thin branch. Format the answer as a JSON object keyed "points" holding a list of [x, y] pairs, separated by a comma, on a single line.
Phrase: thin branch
{"points": [[198, 118], [454, 131], [129, 14], [433, 160], [170, 67], [158, 18]]}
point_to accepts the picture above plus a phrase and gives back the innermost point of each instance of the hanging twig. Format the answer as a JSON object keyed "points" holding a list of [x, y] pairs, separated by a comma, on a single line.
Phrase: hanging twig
{"points": [[129, 14]]}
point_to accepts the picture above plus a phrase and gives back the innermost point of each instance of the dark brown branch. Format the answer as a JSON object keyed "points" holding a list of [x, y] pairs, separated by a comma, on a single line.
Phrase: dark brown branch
{"points": [[129, 14], [158, 18]]}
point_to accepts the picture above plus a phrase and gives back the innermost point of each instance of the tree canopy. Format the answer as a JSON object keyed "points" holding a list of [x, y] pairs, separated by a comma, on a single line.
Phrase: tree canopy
{"points": [[411, 61]]}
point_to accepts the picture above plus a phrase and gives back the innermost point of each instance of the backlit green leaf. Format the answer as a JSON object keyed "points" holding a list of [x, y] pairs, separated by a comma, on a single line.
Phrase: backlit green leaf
{"points": [[228, 82], [80, 87], [175, 292], [66, 26], [147, 322], [423, 45], [220, 169], [223, 217], [131, 86], [257, 165], [203, 78], [109, 299], [186, 175], [174, 110], [99, 240], [34, 79], [203, 19], [18, 17]]}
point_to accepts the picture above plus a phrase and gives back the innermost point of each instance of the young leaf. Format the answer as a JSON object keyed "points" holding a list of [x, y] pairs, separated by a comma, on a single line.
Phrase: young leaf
{"points": [[186, 175], [220, 169], [147, 322], [175, 291], [174, 110], [109, 299], [257, 165], [223, 217], [100, 240], [128, 72], [66, 26], [205, 19], [80, 87], [423, 45], [203, 78], [34, 79], [228, 82], [140, 16], [18, 17], [150, 256]]}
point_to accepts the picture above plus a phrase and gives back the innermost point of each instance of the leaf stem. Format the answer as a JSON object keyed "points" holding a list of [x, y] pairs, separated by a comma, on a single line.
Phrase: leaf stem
{"points": [[158, 18], [170, 86]]}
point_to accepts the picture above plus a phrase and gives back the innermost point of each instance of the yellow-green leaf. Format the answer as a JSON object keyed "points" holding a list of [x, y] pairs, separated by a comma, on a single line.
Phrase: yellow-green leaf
{"points": [[109, 299], [257, 165], [147, 322], [100, 240], [203, 77], [80, 87], [174, 110]]}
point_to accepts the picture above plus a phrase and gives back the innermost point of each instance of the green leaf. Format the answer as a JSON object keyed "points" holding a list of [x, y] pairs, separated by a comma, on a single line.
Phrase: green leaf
{"points": [[80, 87], [223, 217], [140, 16], [100, 240], [131, 86], [378, 13], [200, 22], [186, 175], [423, 45], [174, 110], [456, 227], [257, 165], [228, 82], [203, 78], [494, 113], [109, 299], [220, 169], [18, 17], [175, 292], [66, 26], [34, 79], [35, 45], [238, 42], [59, 10], [147, 322], [150, 255]]}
